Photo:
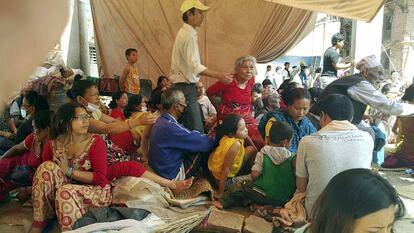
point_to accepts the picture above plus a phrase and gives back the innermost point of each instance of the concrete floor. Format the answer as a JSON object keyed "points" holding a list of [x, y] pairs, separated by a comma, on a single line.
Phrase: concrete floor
{"points": [[17, 219], [404, 184]]}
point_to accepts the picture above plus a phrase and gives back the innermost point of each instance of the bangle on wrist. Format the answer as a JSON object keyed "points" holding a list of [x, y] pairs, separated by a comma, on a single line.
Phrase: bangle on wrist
{"points": [[69, 172], [129, 125]]}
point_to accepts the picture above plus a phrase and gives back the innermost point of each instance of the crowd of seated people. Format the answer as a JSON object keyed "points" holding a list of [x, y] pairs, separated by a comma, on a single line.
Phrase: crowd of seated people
{"points": [[261, 147]]}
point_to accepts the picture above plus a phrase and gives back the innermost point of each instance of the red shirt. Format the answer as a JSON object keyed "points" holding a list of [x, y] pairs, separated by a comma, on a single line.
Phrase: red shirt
{"points": [[116, 113], [93, 159], [124, 140], [33, 160], [232, 93]]}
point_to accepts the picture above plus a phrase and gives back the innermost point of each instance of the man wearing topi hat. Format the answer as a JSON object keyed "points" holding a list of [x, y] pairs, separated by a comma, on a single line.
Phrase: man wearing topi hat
{"points": [[186, 67], [361, 89]]}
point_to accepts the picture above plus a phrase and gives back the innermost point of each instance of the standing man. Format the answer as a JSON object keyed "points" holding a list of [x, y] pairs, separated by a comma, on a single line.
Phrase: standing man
{"points": [[186, 65], [268, 73], [332, 62], [286, 71]]}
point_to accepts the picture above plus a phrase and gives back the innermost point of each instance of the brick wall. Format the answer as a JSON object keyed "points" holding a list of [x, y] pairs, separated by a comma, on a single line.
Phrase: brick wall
{"points": [[402, 36]]}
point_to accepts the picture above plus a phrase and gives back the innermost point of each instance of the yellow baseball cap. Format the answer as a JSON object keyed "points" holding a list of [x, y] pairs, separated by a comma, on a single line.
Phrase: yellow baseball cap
{"points": [[188, 4]]}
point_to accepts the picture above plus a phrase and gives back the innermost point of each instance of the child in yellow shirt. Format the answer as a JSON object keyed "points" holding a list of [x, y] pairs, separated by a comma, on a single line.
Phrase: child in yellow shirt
{"points": [[235, 149]]}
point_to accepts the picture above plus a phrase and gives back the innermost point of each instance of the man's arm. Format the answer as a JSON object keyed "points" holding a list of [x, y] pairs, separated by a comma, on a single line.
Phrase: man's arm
{"points": [[337, 63], [301, 183], [342, 66], [365, 93], [221, 76], [301, 170], [197, 68], [191, 141]]}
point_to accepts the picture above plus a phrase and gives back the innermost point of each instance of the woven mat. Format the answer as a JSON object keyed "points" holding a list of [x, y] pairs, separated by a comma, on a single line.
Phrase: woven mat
{"points": [[200, 186]]}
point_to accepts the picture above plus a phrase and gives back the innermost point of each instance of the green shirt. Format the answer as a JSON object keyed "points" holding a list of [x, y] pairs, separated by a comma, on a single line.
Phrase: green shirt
{"points": [[277, 181]]}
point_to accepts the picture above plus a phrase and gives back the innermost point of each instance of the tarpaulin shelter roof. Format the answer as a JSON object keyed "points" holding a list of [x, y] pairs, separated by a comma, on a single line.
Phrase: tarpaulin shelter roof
{"points": [[353, 9], [231, 28]]}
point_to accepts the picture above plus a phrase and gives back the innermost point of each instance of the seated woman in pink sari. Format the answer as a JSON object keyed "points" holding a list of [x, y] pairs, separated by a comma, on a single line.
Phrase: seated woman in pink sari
{"points": [[235, 97]]}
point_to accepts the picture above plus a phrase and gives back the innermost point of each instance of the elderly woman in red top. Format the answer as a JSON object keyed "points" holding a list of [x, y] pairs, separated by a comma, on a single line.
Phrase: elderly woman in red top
{"points": [[235, 96]]}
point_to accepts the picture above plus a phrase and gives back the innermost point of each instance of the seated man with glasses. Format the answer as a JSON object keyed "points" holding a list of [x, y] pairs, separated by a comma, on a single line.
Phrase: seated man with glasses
{"points": [[174, 151]]}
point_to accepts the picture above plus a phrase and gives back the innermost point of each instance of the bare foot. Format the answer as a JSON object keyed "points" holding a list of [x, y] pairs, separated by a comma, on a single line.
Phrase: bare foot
{"points": [[182, 185], [23, 194], [218, 204]]}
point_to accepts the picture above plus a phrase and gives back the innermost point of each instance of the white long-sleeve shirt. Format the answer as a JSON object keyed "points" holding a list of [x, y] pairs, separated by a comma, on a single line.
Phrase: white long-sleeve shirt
{"points": [[185, 60], [365, 92]]}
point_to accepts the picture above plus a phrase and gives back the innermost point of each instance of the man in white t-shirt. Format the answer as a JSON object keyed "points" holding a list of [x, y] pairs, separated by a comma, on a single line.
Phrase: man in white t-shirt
{"points": [[337, 146]]}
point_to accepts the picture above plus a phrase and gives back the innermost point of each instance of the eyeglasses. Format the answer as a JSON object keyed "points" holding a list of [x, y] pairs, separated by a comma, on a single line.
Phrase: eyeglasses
{"points": [[82, 117]]}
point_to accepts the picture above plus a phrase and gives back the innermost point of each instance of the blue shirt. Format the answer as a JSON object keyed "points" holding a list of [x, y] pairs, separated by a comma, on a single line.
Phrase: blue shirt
{"points": [[170, 142], [302, 128]]}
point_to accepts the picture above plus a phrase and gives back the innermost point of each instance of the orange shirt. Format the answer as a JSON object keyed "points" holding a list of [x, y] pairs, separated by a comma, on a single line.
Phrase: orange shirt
{"points": [[131, 83]]}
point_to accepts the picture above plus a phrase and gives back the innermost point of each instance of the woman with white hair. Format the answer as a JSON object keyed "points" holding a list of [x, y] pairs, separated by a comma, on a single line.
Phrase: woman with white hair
{"points": [[235, 96]]}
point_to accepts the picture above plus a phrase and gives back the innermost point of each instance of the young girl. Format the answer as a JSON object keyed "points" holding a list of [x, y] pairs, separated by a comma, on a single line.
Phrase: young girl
{"points": [[297, 102], [118, 104], [162, 84], [18, 164], [356, 200], [136, 108], [231, 152], [154, 107], [273, 178], [128, 140]]}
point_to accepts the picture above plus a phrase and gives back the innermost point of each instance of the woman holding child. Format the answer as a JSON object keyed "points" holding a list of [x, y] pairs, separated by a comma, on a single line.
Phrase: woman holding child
{"points": [[235, 96], [297, 102]]}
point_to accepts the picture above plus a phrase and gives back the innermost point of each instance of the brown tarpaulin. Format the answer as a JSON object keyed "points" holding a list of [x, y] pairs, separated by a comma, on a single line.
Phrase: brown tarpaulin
{"points": [[353, 9], [230, 29]]}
